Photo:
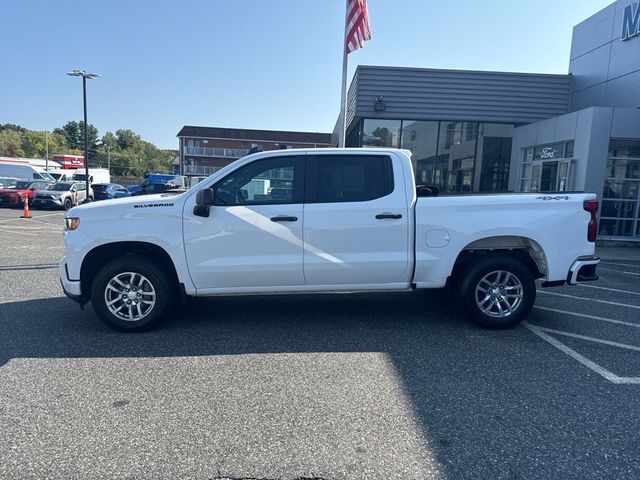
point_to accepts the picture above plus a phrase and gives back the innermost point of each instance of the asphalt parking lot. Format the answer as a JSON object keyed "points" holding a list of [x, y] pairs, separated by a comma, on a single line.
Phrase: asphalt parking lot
{"points": [[350, 386]]}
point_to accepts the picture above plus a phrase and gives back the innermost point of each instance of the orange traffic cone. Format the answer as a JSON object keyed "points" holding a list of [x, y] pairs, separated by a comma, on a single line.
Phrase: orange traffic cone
{"points": [[76, 199], [25, 212]]}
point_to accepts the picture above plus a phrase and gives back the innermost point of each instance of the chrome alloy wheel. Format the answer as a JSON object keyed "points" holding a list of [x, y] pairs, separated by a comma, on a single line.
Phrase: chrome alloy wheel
{"points": [[130, 296], [499, 294]]}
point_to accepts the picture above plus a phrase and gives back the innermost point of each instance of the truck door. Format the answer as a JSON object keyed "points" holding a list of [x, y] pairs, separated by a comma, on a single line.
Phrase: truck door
{"points": [[252, 238], [356, 221]]}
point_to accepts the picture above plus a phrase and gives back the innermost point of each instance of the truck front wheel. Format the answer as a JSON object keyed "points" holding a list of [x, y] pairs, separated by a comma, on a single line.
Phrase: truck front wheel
{"points": [[498, 291], [130, 294]]}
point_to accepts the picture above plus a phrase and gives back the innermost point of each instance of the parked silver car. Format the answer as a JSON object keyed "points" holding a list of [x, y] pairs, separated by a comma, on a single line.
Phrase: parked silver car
{"points": [[61, 195]]}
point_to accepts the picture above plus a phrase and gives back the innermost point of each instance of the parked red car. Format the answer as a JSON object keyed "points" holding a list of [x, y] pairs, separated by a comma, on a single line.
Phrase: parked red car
{"points": [[11, 195]]}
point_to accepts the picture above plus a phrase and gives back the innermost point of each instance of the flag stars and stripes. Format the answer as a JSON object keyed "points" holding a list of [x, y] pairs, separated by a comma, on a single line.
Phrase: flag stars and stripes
{"points": [[357, 30]]}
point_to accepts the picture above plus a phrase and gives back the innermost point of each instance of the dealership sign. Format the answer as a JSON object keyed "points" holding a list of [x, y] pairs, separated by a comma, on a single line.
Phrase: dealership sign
{"points": [[631, 21]]}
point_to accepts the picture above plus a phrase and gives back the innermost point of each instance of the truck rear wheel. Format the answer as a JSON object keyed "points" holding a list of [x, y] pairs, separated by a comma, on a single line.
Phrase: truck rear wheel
{"points": [[498, 291], [131, 294]]}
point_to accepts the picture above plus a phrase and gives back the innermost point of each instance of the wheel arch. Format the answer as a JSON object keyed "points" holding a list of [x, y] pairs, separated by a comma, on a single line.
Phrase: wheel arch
{"points": [[529, 251], [102, 254]]}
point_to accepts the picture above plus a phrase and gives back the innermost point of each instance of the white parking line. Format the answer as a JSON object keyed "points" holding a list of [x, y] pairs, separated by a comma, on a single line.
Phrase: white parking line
{"points": [[13, 233], [620, 264], [590, 339], [618, 271], [592, 317], [613, 378], [608, 289], [586, 299]]}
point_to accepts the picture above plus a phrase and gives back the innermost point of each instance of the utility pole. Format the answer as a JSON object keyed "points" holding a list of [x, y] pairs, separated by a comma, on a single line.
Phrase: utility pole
{"points": [[108, 147], [46, 150]]}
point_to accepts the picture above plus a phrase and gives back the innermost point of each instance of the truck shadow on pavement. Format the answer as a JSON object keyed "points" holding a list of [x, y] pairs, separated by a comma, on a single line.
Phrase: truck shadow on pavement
{"points": [[486, 401]]}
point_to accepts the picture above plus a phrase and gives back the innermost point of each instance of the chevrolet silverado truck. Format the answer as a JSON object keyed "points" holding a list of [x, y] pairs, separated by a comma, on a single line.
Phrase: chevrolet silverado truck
{"points": [[318, 220]]}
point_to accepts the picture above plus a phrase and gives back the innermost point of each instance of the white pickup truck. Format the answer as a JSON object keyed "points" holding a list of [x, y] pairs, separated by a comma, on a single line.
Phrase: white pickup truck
{"points": [[324, 220]]}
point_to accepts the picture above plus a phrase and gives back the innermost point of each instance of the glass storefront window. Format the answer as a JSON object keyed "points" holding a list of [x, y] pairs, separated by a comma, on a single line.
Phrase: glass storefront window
{"points": [[454, 156], [620, 189], [568, 149], [421, 137], [620, 215], [618, 209], [623, 168], [381, 133], [616, 228]]}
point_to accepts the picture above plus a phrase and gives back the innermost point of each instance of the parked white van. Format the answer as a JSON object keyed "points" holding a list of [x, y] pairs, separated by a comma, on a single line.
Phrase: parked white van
{"points": [[96, 175], [63, 174], [23, 171]]}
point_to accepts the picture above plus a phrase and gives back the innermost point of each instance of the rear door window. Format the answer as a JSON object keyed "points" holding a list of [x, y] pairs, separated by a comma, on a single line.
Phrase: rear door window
{"points": [[348, 178]]}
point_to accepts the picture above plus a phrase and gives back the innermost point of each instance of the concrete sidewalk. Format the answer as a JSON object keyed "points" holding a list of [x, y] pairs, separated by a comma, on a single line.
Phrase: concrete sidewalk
{"points": [[618, 253]]}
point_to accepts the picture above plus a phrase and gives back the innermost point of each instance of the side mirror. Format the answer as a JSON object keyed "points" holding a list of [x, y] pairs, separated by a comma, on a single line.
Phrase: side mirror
{"points": [[205, 197], [204, 200], [428, 191], [32, 188]]}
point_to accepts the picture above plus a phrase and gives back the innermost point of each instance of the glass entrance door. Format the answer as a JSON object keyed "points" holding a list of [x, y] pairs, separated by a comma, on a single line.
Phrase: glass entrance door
{"points": [[548, 176]]}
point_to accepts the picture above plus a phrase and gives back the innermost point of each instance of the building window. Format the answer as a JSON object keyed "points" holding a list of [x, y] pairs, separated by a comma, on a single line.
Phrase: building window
{"points": [[381, 133], [547, 168], [620, 213], [457, 157], [422, 139]]}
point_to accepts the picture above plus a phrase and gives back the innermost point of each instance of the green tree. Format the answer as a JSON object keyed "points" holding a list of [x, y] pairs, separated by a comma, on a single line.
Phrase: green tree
{"points": [[34, 144], [12, 126], [74, 134], [11, 143]]}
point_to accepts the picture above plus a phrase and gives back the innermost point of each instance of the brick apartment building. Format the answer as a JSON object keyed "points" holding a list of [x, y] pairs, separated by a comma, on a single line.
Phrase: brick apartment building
{"points": [[204, 150]]}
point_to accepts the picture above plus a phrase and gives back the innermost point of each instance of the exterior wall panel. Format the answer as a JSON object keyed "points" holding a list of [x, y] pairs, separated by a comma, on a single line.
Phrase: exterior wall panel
{"points": [[605, 69], [425, 94]]}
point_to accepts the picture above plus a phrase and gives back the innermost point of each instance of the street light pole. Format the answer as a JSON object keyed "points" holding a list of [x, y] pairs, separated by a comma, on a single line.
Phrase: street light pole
{"points": [[85, 75], [86, 140]]}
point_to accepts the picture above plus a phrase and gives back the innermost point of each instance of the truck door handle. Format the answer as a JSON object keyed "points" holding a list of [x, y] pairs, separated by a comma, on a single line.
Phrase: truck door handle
{"points": [[284, 218], [394, 216]]}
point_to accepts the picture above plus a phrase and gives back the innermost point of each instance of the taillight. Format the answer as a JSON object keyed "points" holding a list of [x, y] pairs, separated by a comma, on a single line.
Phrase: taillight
{"points": [[591, 206]]}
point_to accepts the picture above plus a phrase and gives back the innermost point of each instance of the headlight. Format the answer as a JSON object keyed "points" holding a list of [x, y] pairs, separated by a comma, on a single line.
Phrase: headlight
{"points": [[71, 223]]}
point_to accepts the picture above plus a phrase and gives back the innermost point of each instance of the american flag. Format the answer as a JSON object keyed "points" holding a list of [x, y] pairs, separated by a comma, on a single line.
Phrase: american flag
{"points": [[357, 29]]}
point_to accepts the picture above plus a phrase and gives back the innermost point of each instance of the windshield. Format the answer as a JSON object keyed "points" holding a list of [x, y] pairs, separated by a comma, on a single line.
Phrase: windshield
{"points": [[9, 183], [81, 177], [60, 187], [56, 175], [19, 185], [99, 187], [46, 176]]}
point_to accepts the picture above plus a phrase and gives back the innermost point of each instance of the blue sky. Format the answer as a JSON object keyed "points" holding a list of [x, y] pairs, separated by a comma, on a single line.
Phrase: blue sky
{"points": [[272, 64]]}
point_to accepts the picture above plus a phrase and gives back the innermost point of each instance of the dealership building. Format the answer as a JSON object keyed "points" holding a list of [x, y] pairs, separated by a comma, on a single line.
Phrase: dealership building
{"points": [[474, 131]]}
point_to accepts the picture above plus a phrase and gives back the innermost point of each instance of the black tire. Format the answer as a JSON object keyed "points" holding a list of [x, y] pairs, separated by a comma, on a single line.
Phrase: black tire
{"points": [[473, 281], [155, 277], [67, 203]]}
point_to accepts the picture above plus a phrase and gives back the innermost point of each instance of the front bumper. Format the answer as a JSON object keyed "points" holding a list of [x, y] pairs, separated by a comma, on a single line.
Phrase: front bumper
{"points": [[583, 270], [70, 287], [47, 202], [10, 201]]}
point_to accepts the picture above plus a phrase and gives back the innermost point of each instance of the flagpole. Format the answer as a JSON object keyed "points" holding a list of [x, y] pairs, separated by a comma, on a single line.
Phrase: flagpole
{"points": [[343, 92]]}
